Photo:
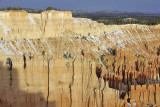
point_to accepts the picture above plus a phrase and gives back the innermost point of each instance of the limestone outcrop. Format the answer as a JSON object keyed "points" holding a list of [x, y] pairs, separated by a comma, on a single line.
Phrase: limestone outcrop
{"points": [[62, 61], [20, 24]]}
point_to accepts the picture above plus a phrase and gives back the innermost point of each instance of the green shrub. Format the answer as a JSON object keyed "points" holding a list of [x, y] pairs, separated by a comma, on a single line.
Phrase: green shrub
{"points": [[43, 52]]}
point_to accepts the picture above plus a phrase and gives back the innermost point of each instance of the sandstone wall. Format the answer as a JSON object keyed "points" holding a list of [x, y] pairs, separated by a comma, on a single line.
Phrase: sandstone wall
{"points": [[52, 82], [77, 62], [20, 24]]}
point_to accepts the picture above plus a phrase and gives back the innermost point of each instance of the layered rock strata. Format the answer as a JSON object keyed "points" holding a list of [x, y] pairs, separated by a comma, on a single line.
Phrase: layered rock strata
{"points": [[58, 60]]}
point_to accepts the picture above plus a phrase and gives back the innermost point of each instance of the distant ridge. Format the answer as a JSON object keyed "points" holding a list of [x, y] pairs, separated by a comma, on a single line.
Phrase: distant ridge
{"points": [[113, 13]]}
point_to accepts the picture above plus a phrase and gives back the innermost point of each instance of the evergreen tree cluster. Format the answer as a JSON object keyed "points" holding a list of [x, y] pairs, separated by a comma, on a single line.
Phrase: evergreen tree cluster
{"points": [[51, 8], [28, 10], [11, 8]]}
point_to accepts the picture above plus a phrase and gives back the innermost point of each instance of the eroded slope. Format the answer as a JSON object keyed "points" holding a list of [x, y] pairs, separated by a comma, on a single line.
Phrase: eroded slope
{"points": [[77, 62]]}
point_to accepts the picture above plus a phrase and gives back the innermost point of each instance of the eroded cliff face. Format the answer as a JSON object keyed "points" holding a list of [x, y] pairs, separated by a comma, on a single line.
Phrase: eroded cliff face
{"points": [[61, 61], [20, 24]]}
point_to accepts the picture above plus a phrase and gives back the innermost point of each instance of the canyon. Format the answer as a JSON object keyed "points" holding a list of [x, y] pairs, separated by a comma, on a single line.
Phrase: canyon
{"points": [[62, 61]]}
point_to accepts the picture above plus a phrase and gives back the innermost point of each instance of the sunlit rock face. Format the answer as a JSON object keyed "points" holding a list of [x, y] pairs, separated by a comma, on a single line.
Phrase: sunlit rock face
{"points": [[20, 24], [60, 61]]}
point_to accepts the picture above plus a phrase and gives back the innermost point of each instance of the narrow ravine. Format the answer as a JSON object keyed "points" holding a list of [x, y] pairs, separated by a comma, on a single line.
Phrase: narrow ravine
{"points": [[48, 81], [10, 78], [103, 93], [71, 84]]}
